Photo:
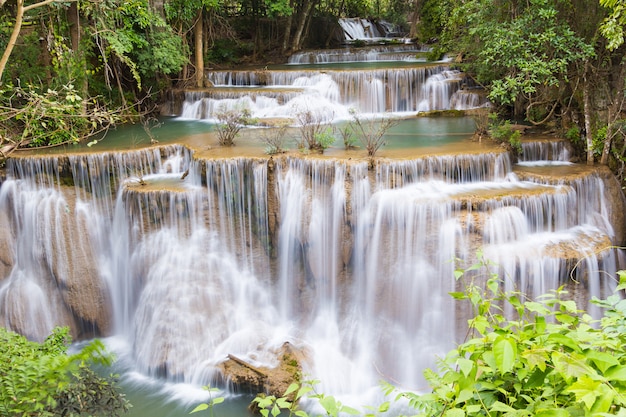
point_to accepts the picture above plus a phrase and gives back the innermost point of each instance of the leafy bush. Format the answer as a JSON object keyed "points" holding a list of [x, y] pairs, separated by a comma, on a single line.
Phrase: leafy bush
{"points": [[503, 132], [315, 136], [274, 139], [230, 122], [549, 359], [42, 379], [48, 118]]}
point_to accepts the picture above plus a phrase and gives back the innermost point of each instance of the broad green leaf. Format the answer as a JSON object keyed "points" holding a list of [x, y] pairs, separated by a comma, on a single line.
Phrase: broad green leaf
{"points": [[454, 412], [505, 353], [604, 402], [458, 295], [500, 406], [622, 281], [616, 373], [536, 358], [463, 396], [586, 390], [217, 400], [535, 307], [561, 339], [571, 365], [602, 360], [349, 410], [384, 407], [292, 388], [465, 365], [200, 407]]}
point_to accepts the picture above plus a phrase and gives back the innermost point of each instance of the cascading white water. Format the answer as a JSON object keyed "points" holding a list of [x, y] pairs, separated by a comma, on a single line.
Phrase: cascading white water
{"points": [[332, 93], [363, 262], [359, 29], [403, 52], [552, 152]]}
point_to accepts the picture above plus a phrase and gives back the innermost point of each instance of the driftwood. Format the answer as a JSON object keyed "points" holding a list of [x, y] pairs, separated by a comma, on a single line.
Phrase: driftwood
{"points": [[247, 365]]}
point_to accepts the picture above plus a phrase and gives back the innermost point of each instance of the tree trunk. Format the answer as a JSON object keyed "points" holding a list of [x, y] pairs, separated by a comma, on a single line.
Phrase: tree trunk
{"points": [[198, 35], [19, 18], [587, 113], [73, 18], [288, 24], [307, 8], [415, 18], [614, 112]]}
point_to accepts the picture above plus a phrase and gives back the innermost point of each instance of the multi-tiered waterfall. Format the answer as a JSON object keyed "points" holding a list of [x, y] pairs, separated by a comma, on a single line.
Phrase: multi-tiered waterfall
{"points": [[187, 259]]}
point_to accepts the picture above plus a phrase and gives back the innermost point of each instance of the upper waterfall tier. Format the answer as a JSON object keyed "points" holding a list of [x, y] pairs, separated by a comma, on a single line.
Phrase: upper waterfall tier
{"points": [[333, 93], [395, 52]]}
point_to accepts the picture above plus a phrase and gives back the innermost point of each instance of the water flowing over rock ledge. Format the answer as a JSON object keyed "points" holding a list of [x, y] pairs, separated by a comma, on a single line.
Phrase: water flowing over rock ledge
{"points": [[193, 259]]}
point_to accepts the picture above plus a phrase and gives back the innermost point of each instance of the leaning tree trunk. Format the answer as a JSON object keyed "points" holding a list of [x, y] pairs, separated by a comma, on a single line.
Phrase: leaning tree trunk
{"points": [[307, 8], [587, 113], [198, 31], [19, 19]]}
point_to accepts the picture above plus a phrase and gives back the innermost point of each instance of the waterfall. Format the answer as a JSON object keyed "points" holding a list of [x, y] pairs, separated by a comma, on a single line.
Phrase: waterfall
{"points": [[191, 260], [542, 152], [332, 92], [358, 28]]}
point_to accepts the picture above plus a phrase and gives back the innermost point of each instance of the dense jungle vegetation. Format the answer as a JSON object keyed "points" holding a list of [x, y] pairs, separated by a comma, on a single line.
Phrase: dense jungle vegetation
{"points": [[72, 68]]}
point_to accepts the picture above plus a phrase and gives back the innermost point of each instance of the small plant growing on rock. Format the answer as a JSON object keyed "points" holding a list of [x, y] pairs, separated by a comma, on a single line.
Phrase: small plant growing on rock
{"points": [[274, 138], [371, 132], [315, 135], [230, 122], [503, 132]]}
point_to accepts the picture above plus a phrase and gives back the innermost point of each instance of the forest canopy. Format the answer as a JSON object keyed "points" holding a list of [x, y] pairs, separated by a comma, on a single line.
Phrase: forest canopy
{"points": [[552, 63]]}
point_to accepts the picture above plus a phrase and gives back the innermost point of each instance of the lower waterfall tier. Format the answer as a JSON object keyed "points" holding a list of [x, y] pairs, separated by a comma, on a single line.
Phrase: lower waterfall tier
{"points": [[206, 265]]}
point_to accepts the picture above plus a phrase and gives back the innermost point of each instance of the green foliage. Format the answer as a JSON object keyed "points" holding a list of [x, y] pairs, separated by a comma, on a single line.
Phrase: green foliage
{"points": [[315, 136], [521, 51], [542, 357], [42, 379], [210, 404], [271, 405], [133, 33], [573, 134], [228, 51], [51, 117], [613, 26], [503, 132]]}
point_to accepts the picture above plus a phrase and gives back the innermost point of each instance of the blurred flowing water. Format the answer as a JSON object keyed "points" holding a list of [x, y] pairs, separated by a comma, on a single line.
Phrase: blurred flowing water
{"points": [[182, 259]]}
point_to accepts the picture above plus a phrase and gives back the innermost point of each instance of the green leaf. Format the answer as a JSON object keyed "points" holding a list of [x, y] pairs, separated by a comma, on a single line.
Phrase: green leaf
{"points": [[505, 353], [616, 373], [586, 390], [571, 365], [200, 407], [602, 360], [499, 406], [465, 365], [292, 388], [561, 339], [454, 412]]}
